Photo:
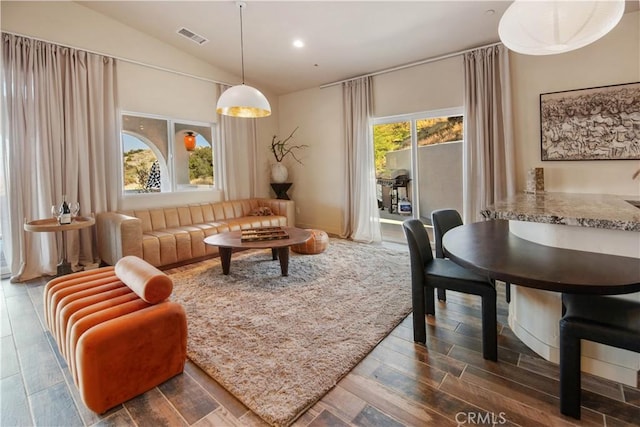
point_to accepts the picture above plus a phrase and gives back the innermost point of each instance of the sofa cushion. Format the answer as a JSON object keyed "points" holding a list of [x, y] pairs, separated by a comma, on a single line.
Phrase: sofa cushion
{"points": [[184, 214], [228, 211], [145, 217], [171, 218], [196, 214], [212, 212], [151, 249], [261, 211], [158, 221], [149, 283]]}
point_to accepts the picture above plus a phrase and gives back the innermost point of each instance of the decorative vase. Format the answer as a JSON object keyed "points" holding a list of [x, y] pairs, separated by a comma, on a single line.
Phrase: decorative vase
{"points": [[279, 172]]}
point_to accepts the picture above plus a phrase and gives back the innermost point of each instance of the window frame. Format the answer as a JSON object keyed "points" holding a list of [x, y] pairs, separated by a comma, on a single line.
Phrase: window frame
{"points": [[413, 118], [172, 143]]}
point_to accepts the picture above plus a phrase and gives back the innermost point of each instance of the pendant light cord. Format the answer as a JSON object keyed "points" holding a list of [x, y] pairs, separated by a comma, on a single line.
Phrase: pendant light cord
{"points": [[241, 43]]}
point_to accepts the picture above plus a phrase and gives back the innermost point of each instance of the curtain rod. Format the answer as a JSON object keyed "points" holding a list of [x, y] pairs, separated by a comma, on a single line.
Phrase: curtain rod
{"points": [[119, 58], [413, 64]]}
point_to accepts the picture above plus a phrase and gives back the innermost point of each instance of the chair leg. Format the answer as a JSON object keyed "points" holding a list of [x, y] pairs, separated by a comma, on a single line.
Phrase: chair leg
{"points": [[489, 328], [418, 303], [442, 294], [507, 290], [569, 372], [429, 301]]}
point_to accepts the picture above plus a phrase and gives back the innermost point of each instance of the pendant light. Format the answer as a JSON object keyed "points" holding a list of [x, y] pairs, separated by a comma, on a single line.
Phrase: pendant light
{"points": [[550, 27], [243, 100]]}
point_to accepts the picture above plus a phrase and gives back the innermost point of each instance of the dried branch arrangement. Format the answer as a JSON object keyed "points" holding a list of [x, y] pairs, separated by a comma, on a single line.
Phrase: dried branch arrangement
{"points": [[281, 148]]}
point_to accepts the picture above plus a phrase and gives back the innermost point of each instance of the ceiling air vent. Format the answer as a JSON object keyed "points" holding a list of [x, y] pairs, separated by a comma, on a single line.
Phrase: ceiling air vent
{"points": [[192, 36]]}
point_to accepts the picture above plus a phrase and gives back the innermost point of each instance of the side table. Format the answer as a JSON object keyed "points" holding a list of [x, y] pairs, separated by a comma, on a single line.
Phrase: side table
{"points": [[52, 225], [281, 188]]}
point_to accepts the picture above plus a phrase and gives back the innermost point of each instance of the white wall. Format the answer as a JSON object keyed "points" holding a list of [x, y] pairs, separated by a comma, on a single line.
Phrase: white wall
{"points": [[140, 88], [318, 185], [72, 24], [427, 87], [611, 60]]}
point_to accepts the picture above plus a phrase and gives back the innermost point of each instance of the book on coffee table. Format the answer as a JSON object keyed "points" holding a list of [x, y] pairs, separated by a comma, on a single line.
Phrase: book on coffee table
{"points": [[263, 233]]}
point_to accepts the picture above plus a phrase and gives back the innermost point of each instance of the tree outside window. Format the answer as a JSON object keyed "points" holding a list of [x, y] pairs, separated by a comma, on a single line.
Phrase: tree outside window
{"points": [[155, 160]]}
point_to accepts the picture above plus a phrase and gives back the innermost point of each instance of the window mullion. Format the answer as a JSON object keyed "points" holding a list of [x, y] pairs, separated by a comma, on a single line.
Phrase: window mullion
{"points": [[415, 194]]}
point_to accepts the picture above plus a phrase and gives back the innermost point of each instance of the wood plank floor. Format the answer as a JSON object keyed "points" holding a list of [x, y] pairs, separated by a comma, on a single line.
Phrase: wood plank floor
{"points": [[398, 384]]}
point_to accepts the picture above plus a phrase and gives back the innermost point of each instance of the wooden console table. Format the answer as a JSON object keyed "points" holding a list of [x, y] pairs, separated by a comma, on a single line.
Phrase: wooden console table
{"points": [[52, 225]]}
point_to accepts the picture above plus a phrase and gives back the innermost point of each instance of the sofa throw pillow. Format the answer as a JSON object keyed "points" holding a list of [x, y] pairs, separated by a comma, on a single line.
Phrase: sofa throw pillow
{"points": [[261, 211]]}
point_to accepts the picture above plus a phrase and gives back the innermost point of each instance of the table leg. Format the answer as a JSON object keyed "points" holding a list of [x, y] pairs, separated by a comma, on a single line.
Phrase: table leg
{"points": [[64, 267], [274, 254], [225, 259], [283, 254]]}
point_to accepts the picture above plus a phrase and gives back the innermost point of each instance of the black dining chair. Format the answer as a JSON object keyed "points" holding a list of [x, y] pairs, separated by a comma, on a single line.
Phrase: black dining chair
{"points": [[444, 220], [605, 320], [429, 273]]}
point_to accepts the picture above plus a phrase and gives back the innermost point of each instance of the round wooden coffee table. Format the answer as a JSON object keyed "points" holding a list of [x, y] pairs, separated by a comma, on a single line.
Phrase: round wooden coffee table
{"points": [[229, 240]]}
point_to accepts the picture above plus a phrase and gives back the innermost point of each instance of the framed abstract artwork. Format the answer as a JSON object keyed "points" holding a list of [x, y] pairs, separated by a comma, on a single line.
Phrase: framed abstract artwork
{"points": [[600, 123]]}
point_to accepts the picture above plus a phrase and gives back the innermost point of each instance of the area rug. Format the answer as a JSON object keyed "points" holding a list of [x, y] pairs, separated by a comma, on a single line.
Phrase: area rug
{"points": [[280, 343]]}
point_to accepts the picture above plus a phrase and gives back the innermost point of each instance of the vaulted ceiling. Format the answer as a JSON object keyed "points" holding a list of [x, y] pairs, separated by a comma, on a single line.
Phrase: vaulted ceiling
{"points": [[342, 39]]}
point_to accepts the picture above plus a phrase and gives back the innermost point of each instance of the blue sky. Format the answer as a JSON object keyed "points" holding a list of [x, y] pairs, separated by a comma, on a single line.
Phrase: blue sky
{"points": [[130, 142]]}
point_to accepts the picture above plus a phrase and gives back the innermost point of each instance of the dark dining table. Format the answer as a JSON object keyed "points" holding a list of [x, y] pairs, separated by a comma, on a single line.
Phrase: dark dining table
{"points": [[490, 249]]}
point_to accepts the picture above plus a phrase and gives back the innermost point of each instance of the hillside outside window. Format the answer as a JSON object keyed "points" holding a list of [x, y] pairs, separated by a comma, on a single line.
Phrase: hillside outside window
{"points": [[155, 159], [418, 164]]}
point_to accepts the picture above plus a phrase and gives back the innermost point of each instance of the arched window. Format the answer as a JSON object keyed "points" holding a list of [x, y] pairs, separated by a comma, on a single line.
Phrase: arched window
{"points": [[194, 168], [144, 168], [156, 159]]}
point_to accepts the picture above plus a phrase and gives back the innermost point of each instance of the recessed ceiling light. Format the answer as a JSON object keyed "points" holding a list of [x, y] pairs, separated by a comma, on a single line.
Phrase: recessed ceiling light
{"points": [[298, 43]]}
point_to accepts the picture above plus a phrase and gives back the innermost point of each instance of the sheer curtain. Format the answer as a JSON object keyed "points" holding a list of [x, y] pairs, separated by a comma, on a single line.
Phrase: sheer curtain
{"points": [[361, 221], [59, 133], [239, 150], [489, 158]]}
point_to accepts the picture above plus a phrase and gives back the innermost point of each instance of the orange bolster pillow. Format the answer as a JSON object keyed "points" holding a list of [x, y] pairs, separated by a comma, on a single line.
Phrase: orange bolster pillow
{"points": [[149, 283]]}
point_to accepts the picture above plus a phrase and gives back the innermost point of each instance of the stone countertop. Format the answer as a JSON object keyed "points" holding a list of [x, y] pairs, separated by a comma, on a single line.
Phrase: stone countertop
{"points": [[583, 210]]}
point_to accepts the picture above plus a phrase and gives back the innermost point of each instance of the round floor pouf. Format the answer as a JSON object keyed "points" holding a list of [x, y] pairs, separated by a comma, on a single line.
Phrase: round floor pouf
{"points": [[316, 244]]}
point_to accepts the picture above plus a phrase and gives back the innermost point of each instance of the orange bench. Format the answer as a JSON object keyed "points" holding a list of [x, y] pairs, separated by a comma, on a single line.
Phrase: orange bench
{"points": [[117, 330]]}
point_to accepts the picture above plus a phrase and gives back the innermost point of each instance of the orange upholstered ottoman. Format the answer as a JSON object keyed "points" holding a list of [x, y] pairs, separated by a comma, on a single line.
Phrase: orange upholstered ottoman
{"points": [[316, 244], [118, 331]]}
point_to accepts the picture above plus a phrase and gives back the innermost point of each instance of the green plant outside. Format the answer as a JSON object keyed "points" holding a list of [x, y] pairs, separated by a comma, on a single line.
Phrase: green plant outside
{"points": [[397, 136], [137, 166]]}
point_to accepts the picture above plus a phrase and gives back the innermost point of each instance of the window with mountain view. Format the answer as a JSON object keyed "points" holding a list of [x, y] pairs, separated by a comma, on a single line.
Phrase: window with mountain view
{"points": [[418, 164], [155, 158], [145, 150]]}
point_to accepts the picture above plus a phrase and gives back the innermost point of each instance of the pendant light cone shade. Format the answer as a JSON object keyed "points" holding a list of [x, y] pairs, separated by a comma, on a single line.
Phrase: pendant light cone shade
{"points": [[550, 27], [243, 100], [190, 141]]}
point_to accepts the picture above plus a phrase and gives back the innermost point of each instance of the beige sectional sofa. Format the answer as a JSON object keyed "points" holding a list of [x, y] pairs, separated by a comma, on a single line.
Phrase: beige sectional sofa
{"points": [[172, 235]]}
